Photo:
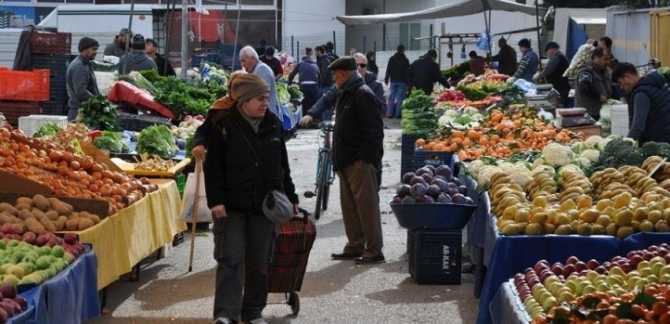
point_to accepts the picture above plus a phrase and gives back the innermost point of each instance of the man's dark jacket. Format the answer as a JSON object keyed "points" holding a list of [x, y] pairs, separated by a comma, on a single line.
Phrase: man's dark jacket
{"points": [[397, 69], [506, 59], [657, 126], [164, 66], [423, 74], [359, 129], [553, 73], [242, 166]]}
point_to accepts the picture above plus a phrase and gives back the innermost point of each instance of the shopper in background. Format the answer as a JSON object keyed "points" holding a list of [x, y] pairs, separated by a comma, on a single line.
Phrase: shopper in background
{"points": [[553, 72], [309, 79], [425, 72], [273, 62], [246, 159], [118, 47], [252, 64], [529, 61], [325, 76], [593, 88], [649, 105], [136, 60], [477, 64], [330, 49], [80, 80], [397, 79], [372, 62], [506, 58], [370, 78], [358, 141], [164, 66]]}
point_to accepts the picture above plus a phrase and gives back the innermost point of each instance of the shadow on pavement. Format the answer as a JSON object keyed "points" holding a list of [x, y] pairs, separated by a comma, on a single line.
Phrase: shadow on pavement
{"points": [[329, 230], [163, 293], [330, 279], [408, 292], [122, 289]]}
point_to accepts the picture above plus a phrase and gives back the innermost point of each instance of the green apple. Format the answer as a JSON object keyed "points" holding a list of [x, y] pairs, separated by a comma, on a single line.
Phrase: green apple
{"points": [[652, 278], [665, 278], [591, 275], [587, 289], [616, 270], [574, 286], [544, 296], [549, 303], [642, 283], [656, 268], [665, 270], [643, 264], [566, 296], [658, 259]]}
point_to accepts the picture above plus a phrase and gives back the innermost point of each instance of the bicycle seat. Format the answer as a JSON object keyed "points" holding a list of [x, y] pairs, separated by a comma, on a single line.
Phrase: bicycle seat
{"points": [[328, 125]]}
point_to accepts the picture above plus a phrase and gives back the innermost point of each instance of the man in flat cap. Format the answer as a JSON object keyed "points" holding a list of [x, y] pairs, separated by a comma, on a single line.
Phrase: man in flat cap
{"points": [[118, 47], [80, 79], [357, 150]]}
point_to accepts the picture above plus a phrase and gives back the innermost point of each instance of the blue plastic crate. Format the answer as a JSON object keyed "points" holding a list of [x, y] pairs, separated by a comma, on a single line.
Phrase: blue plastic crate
{"points": [[435, 256], [433, 216]]}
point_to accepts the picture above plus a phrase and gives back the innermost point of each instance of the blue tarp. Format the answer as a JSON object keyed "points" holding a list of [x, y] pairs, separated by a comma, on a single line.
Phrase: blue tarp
{"points": [[69, 297]]}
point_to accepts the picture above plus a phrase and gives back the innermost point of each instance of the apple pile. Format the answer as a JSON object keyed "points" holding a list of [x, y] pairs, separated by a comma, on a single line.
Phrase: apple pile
{"points": [[616, 202], [11, 304], [431, 184], [547, 286]]}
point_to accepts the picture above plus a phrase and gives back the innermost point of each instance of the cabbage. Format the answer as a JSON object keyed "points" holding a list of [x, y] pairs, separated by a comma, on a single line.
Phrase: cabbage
{"points": [[583, 162], [591, 155], [593, 142], [485, 174], [578, 147], [543, 168], [570, 168], [557, 155]]}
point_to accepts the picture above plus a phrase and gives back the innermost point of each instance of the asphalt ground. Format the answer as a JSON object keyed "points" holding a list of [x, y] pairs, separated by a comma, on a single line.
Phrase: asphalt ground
{"points": [[333, 291]]}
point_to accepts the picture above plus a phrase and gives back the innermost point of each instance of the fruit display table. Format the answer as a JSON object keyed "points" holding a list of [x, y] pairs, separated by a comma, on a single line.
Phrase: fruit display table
{"points": [[513, 254], [69, 297], [122, 240]]}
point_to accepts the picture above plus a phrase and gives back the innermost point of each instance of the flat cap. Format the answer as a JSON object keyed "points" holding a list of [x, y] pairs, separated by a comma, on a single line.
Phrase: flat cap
{"points": [[343, 63]]}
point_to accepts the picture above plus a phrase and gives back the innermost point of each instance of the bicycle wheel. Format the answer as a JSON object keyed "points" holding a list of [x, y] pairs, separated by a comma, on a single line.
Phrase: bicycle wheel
{"points": [[321, 183], [327, 183]]}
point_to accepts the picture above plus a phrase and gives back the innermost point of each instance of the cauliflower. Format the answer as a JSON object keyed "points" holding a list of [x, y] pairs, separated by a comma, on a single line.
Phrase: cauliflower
{"points": [[475, 167], [570, 168], [583, 162], [485, 174], [543, 168], [557, 155], [537, 163], [591, 154], [593, 142], [579, 147], [521, 175]]}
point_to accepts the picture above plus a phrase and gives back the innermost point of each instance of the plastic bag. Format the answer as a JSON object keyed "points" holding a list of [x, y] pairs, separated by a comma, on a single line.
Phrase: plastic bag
{"points": [[528, 87], [204, 214]]}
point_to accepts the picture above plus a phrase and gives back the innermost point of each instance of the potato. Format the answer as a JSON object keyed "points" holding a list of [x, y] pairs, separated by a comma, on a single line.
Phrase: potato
{"points": [[72, 224], [60, 223], [34, 226], [41, 202], [61, 207], [25, 214], [8, 208], [52, 215], [48, 224], [38, 213], [84, 223], [24, 206], [24, 201], [6, 218], [92, 217]]}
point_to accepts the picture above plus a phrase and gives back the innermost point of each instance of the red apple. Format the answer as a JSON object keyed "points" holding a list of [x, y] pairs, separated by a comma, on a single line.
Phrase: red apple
{"points": [[70, 238], [29, 237], [601, 269], [568, 269], [580, 266], [592, 264], [572, 260]]}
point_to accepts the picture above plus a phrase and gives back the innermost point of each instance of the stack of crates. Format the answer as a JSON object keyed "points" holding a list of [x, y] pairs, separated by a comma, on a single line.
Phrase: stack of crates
{"points": [[435, 256], [57, 64], [408, 143]]}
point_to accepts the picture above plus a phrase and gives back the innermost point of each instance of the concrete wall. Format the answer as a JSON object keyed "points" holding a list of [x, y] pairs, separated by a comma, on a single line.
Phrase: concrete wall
{"points": [[312, 22], [562, 19]]}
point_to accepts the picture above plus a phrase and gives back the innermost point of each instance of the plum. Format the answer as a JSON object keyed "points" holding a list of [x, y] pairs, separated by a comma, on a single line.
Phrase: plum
{"points": [[427, 178], [462, 189], [418, 190], [452, 190], [404, 190], [407, 177], [444, 171], [433, 191], [424, 170], [444, 198], [415, 180], [469, 201], [458, 198], [457, 181], [428, 199], [442, 184], [408, 200], [431, 167]]}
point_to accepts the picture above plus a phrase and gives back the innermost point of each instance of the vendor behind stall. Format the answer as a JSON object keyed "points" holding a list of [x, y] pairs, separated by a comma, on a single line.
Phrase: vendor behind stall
{"points": [[593, 86], [118, 47], [136, 60], [506, 58], [553, 72], [163, 64], [80, 79], [529, 61], [649, 103]]}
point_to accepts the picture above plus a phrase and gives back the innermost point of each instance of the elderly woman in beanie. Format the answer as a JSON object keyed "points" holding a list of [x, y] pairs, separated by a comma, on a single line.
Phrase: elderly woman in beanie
{"points": [[246, 159]]}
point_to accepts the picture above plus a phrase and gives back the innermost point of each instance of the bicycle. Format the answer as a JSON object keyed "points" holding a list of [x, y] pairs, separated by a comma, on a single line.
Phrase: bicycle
{"points": [[325, 176]]}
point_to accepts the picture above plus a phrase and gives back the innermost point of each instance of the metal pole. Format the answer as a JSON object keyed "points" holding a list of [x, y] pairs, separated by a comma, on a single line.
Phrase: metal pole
{"points": [[292, 46], [297, 50], [237, 34], [539, 34], [184, 38], [334, 43], [130, 23]]}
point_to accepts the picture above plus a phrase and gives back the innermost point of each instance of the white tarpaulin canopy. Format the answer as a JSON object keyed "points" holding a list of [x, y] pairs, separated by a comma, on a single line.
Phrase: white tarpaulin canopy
{"points": [[458, 9]]}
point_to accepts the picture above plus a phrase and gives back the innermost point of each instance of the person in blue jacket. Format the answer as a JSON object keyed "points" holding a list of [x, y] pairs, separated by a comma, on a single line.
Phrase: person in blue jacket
{"points": [[309, 79], [529, 61]]}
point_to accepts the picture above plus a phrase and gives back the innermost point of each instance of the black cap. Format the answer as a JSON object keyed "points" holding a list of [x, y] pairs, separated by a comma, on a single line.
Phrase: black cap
{"points": [[138, 42], [86, 43], [343, 63], [551, 45], [125, 31]]}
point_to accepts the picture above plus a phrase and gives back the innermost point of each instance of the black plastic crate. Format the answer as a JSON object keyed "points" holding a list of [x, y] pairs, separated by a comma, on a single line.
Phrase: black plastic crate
{"points": [[435, 256], [137, 123], [53, 108], [407, 143]]}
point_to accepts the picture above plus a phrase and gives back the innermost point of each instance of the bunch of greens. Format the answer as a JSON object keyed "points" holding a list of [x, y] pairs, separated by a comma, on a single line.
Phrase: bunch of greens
{"points": [[295, 92], [665, 72], [183, 98], [112, 142], [418, 115], [48, 129], [140, 81], [283, 94], [472, 93], [157, 140], [457, 71], [98, 113]]}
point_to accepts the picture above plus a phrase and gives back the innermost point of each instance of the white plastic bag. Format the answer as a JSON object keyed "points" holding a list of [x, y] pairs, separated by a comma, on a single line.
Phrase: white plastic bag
{"points": [[204, 214]]}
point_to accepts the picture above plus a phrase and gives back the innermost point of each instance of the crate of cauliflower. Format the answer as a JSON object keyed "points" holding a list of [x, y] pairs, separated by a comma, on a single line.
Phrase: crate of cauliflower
{"points": [[433, 197]]}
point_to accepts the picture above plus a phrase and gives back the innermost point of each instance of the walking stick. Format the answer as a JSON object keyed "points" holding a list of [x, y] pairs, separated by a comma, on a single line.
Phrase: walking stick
{"points": [[194, 211]]}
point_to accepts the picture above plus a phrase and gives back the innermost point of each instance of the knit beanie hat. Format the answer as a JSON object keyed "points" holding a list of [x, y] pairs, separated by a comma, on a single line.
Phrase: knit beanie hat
{"points": [[242, 87], [86, 43], [138, 42]]}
